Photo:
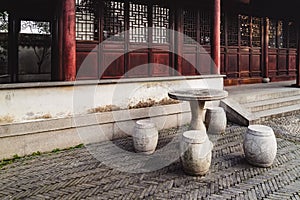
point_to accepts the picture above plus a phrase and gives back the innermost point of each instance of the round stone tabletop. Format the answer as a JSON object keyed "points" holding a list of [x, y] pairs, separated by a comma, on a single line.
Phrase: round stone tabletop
{"points": [[198, 94]]}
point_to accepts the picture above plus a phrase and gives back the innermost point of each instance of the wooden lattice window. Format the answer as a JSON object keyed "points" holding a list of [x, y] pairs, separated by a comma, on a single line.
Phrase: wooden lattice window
{"points": [[272, 33], [256, 32], [244, 30], [138, 23], [114, 20], [280, 35], [160, 23], [190, 26], [3, 22], [222, 29], [86, 20], [292, 35], [3, 45], [232, 30], [277, 34], [205, 27]]}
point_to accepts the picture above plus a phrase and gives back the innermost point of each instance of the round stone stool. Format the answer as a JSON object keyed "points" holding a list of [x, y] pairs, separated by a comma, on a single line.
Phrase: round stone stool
{"points": [[215, 120], [195, 152], [145, 136], [260, 146]]}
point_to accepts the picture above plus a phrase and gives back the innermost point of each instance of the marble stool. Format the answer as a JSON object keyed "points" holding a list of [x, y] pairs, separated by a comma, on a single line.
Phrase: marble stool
{"points": [[195, 152], [215, 120], [145, 136], [260, 145]]}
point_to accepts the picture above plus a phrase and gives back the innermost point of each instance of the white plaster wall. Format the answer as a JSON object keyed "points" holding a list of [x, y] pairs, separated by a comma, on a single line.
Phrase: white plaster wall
{"points": [[34, 103]]}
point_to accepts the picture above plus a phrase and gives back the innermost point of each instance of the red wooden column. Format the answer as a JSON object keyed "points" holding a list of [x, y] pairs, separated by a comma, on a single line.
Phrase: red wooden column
{"points": [[265, 69], [215, 46], [179, 42], [69, 40], [298, 59]]}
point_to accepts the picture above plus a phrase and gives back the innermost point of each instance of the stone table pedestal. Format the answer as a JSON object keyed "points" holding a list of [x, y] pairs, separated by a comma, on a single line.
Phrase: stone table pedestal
{"points": [[197, 98]]}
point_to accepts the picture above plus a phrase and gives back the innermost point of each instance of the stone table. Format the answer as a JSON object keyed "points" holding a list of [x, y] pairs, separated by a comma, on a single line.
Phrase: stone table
{"points": [[197, 98]]}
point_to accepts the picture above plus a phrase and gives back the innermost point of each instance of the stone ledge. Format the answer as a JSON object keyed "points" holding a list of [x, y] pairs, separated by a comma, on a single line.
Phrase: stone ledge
{"points": [[102, 82], [30, 127], [43, 140]]}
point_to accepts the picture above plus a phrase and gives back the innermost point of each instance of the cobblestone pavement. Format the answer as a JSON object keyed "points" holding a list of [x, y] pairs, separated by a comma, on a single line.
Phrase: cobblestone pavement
{"points": [[286, 127], [76, 174]]}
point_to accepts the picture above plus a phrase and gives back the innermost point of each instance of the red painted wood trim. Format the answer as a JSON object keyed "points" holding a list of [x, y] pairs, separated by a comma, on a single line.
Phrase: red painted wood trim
{"points": [[69, 40], [216, 47]]}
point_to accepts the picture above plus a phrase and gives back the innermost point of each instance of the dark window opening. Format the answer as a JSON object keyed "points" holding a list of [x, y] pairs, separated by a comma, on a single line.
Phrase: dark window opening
{"points": [[292, 35], [232, 30], [114, 20], [34, 51]]}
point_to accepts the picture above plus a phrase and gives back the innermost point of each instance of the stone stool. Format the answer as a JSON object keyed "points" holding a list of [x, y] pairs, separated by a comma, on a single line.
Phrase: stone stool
{"points": [[195, 152], [145, 136], [260, 145], [215, 120]]}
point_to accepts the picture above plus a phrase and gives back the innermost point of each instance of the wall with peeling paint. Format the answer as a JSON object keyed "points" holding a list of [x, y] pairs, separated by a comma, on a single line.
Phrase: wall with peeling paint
{"points": [[21, 103]]}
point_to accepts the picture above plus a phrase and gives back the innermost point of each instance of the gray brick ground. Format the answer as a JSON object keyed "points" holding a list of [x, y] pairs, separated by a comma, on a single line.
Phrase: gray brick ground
{"points": [[75, 174]]}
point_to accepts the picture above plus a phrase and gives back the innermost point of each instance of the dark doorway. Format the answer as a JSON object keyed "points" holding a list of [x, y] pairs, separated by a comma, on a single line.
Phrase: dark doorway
{"points": [[28, 49], [34, 51]]}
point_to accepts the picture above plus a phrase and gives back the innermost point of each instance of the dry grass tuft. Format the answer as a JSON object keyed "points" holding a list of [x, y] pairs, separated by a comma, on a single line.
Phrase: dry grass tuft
{"points": [[150, 102], [6, 119], [107, 108]]}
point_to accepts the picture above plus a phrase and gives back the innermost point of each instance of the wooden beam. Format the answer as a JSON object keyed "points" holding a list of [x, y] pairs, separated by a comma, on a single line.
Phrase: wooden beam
{"points": [[216, 40], [69, 40]]}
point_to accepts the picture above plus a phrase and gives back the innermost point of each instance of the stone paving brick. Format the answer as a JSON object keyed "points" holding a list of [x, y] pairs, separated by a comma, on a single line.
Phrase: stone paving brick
{"points": [[76, 174]]}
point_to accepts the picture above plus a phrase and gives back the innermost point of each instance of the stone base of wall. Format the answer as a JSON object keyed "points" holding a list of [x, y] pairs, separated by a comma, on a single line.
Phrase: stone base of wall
{"points": [[45, 135]]}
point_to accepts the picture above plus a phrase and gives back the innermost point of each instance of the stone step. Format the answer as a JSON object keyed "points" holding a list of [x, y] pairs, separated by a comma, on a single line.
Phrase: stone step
{"points": [[272, 103], [276, 112], [251, 104], [265, 95]]}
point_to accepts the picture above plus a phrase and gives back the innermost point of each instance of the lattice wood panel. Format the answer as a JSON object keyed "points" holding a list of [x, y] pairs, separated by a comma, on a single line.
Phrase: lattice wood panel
{"points": [[256, 32], [190, 26], [205, 27], [232, 27], [138, 23], [272, 33], [160, 23], [114, 20], [292, 32], [244, 30], [222, 29], [86, 20], [280, 34]]}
